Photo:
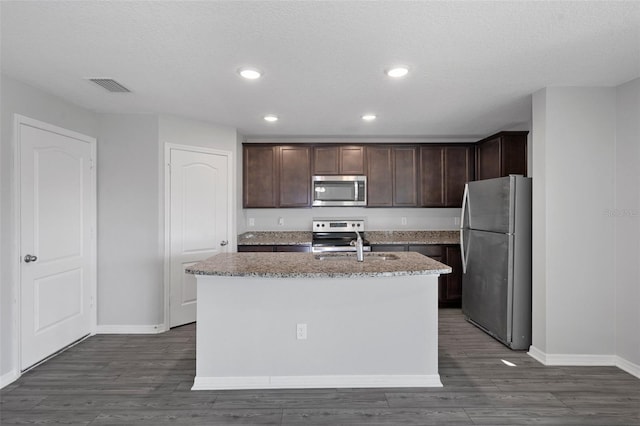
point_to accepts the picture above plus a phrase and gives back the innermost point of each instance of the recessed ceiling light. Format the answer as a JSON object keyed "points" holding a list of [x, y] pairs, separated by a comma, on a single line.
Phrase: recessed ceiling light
{"points": [[249, 73], [271, 118], [397, 72], [369, 117]]}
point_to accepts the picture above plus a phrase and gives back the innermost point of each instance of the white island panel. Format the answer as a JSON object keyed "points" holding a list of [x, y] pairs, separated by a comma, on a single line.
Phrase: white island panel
{"points": [[361, 332]]}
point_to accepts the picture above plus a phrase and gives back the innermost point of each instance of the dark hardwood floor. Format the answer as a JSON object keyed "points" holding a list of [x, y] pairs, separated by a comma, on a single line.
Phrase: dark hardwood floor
{"points": [[146, 379]]}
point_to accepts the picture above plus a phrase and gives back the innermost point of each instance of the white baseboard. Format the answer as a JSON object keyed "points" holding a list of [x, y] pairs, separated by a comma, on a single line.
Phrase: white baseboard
{"points": [[584, 360], [628, 366], [301, 382], [8, 378], [131, 329], [538, 355]]}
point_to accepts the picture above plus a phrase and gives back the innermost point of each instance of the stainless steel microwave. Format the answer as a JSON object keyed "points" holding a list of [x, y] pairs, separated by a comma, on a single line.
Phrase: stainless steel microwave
{"points": [[339, 190]]}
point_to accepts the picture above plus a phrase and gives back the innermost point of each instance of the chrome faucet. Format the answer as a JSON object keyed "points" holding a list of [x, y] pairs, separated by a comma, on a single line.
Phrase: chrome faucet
{"points": [[359, 248]]}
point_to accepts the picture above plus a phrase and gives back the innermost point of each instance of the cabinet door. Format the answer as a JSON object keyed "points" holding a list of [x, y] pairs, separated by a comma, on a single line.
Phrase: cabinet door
{"points": [[260, 177], [405, 176], [295, 176], [458, 170], [338, 160], [502, 154], [514, 154], [432, 176], [352, 160], [489, 159], [379, 177], [326, 160], [433, 251], [453, 286]]}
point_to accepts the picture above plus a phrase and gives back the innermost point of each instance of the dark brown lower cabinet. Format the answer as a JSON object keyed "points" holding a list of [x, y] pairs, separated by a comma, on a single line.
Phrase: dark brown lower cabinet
{"points": [[449, 285], [274, 248]]}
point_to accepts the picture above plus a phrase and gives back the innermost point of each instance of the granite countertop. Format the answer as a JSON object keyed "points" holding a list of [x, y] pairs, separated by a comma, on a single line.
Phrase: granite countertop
{"points": [[413, 237], [308, 265], [269, 238], [275, 238]]}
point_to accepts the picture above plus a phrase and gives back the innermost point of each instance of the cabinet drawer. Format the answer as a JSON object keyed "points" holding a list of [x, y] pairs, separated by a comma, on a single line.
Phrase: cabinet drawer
{"points": [[255, 248], [296, 249], [431, 250], [388, 247]]}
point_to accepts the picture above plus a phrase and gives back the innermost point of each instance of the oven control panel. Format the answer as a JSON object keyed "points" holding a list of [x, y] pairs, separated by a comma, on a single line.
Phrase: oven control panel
{"points": [[338, 225]]}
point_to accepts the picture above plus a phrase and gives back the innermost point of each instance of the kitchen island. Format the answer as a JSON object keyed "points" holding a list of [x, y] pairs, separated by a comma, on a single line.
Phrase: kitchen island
{"points": [[302, 320]]}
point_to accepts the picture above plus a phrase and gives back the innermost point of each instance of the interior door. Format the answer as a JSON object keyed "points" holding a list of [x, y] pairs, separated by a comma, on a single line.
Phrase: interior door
{"points": [[56, 220], [199, 218]]}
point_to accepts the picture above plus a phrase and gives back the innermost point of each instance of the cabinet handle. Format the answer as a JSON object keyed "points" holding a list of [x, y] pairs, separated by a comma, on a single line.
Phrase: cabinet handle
{"points": [[30, 258], [224, 243]]}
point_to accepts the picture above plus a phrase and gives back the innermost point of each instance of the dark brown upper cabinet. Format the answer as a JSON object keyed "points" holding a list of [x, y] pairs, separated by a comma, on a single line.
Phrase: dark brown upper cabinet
{"points": [[338, 160], [276, 176], [444, 170], [405, 176], [260, 176], [398, 175], [295, 176], [502, 154], [392, 176]]}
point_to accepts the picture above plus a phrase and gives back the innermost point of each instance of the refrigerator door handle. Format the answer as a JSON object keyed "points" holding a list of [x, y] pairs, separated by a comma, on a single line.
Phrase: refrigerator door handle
{"points": [[465, 198]]}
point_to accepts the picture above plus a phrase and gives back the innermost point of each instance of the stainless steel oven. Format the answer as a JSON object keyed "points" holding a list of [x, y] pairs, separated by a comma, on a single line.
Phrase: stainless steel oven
{"points": [[331, 235], [339, 190]]}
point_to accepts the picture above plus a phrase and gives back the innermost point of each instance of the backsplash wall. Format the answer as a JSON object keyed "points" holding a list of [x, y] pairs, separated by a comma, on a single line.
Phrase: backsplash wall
{"points": [[377, 219]]}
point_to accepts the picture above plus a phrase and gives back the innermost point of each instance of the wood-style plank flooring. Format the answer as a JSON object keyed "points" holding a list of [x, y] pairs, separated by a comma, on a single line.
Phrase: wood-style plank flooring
{"points": [[146, 380]]}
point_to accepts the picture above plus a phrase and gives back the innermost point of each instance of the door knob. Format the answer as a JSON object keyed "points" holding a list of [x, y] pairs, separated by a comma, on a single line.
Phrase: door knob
{"points": [[30, 258], [224, 243]]}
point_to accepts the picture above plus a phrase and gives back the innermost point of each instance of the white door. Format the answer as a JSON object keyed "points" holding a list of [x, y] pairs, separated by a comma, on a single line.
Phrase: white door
{"points": [[56, 221], [199, 222]]}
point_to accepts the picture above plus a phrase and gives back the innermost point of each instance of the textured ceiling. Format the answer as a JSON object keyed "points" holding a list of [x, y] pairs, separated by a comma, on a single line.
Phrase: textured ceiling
{"points": [[473, 64]]}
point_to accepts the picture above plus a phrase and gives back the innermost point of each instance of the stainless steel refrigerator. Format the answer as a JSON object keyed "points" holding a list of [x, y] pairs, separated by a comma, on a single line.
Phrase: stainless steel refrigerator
{"points": [[495, 239]]}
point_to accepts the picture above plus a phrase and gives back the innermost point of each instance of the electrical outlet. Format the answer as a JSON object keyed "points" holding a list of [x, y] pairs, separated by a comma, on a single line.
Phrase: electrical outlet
{"points": [[403, 220], [456, 221], [252, 221], [280, 221], [301, 331]]}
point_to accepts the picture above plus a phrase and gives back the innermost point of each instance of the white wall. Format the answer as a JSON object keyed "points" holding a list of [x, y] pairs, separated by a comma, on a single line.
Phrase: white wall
{"points": [[574, 157], [377, 219], [626, 219], [130, 274], [19, 98], [538, 137], [173, 129]]}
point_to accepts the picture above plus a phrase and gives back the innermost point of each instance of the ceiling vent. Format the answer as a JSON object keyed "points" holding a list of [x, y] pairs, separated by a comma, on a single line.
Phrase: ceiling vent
{"points": [[110, 84]]}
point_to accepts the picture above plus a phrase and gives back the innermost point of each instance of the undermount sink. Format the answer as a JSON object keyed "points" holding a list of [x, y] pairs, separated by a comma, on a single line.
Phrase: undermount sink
{"points": [[352, 256]]}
